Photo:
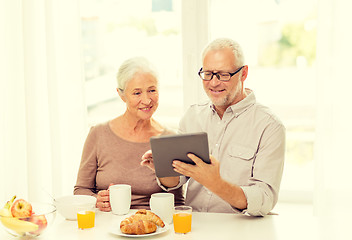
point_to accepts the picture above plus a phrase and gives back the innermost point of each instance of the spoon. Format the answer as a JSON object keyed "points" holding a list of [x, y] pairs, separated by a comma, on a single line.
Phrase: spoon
{"points": [[49, 194]]}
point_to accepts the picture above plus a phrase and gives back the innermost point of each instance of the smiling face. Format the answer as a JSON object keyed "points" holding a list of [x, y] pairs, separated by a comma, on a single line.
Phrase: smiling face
{"points": [[141, 96], [223, 94]]}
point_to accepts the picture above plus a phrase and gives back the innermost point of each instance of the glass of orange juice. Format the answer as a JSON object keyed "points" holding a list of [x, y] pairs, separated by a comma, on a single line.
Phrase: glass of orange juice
{"points": [[182, 218], [86, 219]]}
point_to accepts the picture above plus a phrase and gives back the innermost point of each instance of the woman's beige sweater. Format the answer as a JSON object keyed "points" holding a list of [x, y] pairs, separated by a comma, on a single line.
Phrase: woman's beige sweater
{"points": [[107, 159]]}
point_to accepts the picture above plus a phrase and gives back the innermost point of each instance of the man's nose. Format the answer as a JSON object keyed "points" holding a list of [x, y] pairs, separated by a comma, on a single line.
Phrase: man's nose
{"points": [[215, 79]]}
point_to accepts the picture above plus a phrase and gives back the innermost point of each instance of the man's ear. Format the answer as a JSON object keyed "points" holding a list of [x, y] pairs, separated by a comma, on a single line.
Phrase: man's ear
{"points": [[244, 73], [121, 94]]}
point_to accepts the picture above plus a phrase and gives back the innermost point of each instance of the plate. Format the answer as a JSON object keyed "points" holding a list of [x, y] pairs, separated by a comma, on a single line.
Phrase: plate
{"points": [[115, 229]]}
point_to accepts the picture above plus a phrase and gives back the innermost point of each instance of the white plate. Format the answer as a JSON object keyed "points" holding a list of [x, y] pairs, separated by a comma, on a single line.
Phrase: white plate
{"points": [[115, 229]]}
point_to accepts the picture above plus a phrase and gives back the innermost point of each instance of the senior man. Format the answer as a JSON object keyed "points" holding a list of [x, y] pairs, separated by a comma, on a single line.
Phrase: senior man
{"points": [[246, 140]]}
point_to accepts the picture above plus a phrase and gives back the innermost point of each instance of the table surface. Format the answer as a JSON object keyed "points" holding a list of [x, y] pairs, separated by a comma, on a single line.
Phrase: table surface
{"points": [[205, 226]]}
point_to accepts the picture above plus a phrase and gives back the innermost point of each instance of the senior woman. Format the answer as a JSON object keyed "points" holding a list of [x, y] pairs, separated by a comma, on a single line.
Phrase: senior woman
{"points": [[113, 150]]}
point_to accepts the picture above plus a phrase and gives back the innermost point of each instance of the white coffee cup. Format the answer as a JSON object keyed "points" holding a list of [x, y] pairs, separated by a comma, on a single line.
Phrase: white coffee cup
{"points": [[162, 204], [120, 198]]}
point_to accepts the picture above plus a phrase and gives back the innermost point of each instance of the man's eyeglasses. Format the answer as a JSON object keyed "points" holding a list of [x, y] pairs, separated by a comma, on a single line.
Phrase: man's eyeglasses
{"points": [[222, 76]]}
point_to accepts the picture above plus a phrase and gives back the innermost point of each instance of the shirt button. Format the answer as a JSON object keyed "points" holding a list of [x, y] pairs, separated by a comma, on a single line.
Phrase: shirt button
{"points": [[207, 190], [217, 145]]}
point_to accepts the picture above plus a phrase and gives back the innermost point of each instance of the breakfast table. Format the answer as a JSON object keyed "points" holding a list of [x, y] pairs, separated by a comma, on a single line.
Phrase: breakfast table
{"points": [[205, 226]]}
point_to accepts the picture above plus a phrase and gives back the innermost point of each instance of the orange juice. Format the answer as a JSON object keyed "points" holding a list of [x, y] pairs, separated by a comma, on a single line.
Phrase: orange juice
{"points": [[85, 219], [182, 222]]}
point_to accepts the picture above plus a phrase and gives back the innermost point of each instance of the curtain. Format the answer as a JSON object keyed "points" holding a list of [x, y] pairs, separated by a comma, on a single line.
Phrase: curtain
{"points": [[333, 160], [43, 114]]}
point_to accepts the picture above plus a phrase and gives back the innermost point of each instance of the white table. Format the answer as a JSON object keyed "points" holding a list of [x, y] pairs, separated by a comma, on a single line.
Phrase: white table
{"points": [[215, 226]]}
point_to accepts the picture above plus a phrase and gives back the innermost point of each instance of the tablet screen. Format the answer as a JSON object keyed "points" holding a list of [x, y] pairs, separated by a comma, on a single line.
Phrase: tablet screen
{"points": [[167, 148]]}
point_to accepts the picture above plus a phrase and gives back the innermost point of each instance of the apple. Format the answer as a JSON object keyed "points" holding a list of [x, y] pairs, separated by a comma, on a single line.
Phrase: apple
{"points": [[41, 221], [21, 208]]}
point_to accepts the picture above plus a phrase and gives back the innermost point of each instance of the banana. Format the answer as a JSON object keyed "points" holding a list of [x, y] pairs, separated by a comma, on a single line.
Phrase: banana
{"points": [[15, 224], [19, 226], [5, 211]]}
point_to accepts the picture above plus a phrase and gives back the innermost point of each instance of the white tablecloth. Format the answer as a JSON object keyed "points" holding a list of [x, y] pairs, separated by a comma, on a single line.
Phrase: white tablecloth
{"points": [[214, 226]]}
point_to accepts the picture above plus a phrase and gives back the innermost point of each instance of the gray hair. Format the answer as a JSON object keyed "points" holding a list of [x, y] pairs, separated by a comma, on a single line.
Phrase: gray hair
{"points": [[130, 67], [221, 43]]}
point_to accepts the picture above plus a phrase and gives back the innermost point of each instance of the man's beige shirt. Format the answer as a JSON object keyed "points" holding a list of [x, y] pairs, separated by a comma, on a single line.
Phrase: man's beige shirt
{"points": [[249, 142]]}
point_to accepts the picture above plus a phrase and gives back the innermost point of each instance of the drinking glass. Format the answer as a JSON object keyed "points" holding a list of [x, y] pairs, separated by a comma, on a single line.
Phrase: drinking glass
{"points": [[85, 219], [182, 218]]}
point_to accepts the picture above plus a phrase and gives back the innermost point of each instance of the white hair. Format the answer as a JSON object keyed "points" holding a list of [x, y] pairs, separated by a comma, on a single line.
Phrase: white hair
{"points": [[130, 67], [221, 43]]}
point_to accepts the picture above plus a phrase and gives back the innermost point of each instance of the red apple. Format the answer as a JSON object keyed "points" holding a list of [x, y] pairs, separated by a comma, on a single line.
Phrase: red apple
{"points": [[21, 208], [41, 221]]}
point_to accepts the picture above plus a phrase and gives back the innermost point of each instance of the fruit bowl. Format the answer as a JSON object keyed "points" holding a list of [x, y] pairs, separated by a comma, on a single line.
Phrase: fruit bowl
{"points": [[69, 205], [42, 217]]}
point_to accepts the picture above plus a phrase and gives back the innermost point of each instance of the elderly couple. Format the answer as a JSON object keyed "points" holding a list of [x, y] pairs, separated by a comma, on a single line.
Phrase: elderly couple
{"points": [[246, 141]]}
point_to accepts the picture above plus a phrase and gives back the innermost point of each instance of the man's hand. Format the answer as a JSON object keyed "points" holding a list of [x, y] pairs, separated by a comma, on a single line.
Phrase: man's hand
{"points": [[147, 160], [209, 176], [204, 173]]}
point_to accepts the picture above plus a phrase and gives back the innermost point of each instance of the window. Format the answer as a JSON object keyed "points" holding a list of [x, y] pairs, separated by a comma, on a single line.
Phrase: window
{"points": [[278, 38], [279, 41], [114, 30]]}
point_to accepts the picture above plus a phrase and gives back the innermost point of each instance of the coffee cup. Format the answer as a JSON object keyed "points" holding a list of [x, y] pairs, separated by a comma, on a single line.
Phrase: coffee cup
{"points": [[162, 204], [120, 198]]}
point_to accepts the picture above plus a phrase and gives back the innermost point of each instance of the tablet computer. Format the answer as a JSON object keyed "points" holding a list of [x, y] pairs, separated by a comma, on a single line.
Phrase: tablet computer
{"points": [[167, 148]]}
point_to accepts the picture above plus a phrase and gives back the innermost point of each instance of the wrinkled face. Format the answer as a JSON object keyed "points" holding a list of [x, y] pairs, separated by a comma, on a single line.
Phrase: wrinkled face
{"points": [[141, 96], [223, 94]]}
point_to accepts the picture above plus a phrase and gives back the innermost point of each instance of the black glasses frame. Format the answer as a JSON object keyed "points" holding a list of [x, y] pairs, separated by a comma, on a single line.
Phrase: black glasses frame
{"points": [[218, 74]]}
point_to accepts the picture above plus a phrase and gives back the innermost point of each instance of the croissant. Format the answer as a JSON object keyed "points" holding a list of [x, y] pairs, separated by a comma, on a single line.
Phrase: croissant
{"points": [[138, 227], [142, 222], [143, 214]]}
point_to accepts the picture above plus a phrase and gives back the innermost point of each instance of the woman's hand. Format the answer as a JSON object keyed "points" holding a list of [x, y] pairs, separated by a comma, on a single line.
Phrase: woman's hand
{"points": [[103, 201], [147, 160]]}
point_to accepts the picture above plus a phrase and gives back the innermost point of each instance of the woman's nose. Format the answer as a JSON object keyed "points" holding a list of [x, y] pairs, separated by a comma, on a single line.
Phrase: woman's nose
{"points": [[146, 99]]}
